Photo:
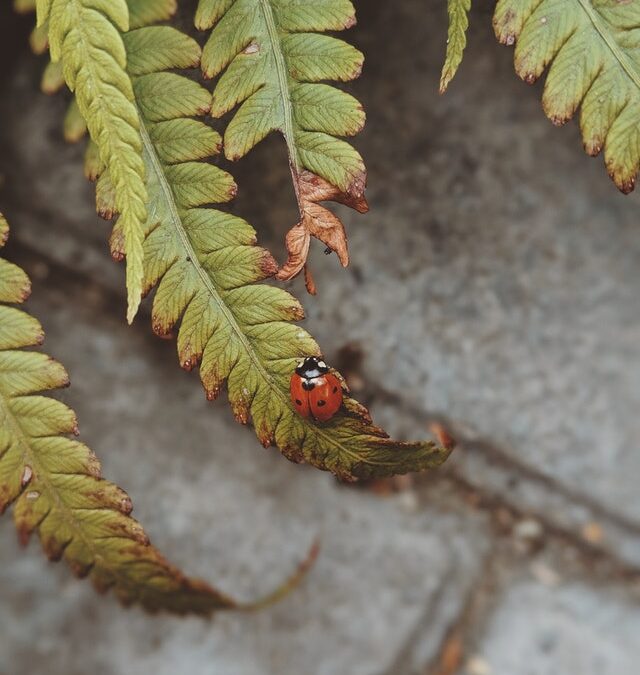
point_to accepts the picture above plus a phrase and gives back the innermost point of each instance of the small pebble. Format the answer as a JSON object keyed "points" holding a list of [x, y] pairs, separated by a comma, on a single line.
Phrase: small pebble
{"points": [[478, 666]]}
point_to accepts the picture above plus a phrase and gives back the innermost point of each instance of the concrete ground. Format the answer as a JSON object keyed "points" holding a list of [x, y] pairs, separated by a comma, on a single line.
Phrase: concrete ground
{"points": [[494, 286]]}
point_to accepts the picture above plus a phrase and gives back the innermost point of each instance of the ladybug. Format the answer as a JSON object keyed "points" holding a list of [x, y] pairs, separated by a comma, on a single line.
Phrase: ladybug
{"points": [[315, 391]]}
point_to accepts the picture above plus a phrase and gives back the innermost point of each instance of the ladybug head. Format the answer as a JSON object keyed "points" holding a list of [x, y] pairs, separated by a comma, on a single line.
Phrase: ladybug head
{"points": [[311, 367]]}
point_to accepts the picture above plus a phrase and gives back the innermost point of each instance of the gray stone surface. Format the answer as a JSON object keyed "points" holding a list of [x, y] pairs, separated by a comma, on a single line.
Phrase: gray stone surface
{"points": [[539, 630], [225, 509]]}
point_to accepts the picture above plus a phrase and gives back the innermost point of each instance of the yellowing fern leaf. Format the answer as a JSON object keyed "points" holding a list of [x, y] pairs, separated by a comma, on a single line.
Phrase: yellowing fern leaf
{"points": [[85, 35], [274, 62], [52, 78], [145, 12], [54, 481], [206, 266], [456, 40], [592, 49]]}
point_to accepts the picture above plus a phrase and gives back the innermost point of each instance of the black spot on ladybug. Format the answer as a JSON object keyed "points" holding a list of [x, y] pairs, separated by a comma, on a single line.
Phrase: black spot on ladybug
{"points": [[307, 386], [298, 401], [335, 389], [321, 403]]}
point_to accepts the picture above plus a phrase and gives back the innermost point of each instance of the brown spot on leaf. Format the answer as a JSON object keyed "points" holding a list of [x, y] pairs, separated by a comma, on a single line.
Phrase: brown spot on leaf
{"points": [[25, 292], [503, 27], [265, 435], [627, 186], [593, 147], [126, 505], [559, 120], [189, 364], [93, 466], [116, 244], [268, 265], [161, 329], [106, 212], [79, 569], [293, 453]]}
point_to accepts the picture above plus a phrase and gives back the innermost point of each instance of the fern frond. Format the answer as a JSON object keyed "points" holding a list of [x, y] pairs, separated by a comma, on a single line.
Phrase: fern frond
{"points": [[85, 36], [592, 50], [275, 61], [54, 481], [458, 11], [206, 266]]}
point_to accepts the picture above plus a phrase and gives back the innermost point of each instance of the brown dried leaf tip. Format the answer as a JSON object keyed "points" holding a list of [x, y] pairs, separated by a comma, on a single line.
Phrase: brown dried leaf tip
{"points": [[317, 221]]}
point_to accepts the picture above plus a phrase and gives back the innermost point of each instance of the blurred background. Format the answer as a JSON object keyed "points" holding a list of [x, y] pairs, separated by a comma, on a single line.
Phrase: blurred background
{"points": [[494, 288]]}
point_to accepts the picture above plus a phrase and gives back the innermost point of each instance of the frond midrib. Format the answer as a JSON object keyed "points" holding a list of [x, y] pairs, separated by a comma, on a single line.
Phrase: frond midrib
{"points": [[283, 84]]}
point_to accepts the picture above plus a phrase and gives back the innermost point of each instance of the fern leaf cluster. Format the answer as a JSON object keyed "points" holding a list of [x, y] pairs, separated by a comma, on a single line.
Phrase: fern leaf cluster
{"points": [[458, 11], [54, 483], [85, 36], [204, 262], [273, 60], [592, 51], [207, 268]]}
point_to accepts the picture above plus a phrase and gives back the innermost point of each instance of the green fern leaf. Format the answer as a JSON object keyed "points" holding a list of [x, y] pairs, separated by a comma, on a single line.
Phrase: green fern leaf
{"points": [[85, 35], [592, 49], [52, 78], [456, 40], [74, 126], [206, 267], [54, 482], [93, 165], [39, 39], [274, 62], [145, 12]]}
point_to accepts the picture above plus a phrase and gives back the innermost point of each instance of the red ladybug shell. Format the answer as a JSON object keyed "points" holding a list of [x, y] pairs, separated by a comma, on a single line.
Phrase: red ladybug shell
{"points": [[315, 391], [325, 398], [299, 397]]}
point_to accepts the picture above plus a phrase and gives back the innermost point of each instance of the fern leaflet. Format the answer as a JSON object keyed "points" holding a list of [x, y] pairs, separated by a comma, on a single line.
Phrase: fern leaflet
{"points": [[85, 35], [592, 48], [456, 40], [274, 62]]}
